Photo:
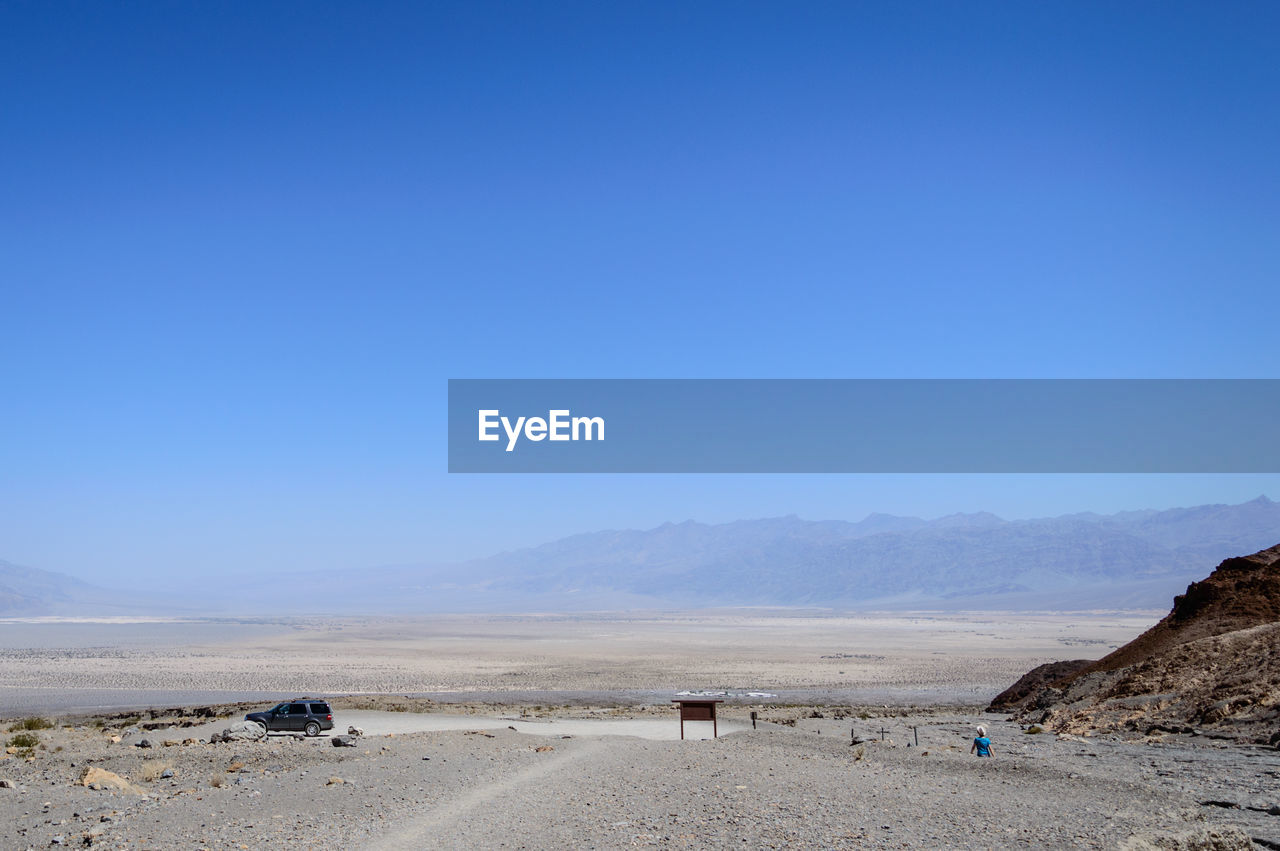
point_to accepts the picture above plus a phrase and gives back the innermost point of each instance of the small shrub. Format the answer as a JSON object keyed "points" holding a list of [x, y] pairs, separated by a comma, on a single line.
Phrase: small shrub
{"points": [[235, 766], [153, 768], [31, 724], [1033, 729], [25, 740], [217, 781]]}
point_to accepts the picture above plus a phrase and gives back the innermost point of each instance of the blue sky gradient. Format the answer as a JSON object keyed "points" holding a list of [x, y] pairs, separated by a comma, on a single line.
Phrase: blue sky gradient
{"points": [[243, 246]]}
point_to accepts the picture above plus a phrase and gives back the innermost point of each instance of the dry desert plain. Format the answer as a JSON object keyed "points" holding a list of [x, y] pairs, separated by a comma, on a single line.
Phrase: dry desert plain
{"points": [[552, 731]]}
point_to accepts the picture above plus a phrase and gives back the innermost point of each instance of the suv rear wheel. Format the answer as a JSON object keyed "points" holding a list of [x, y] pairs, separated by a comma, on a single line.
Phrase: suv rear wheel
{"points": [[312, 728]]}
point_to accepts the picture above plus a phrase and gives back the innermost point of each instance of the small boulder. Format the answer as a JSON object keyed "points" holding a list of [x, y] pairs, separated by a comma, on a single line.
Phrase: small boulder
{"points": [[355, 731], [142, 743], [343, 741], [100, 778]]}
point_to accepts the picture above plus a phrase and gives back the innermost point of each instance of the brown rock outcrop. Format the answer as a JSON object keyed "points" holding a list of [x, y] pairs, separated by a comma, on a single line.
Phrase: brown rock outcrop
{"points": [[1212, 665], [1242, 592]]}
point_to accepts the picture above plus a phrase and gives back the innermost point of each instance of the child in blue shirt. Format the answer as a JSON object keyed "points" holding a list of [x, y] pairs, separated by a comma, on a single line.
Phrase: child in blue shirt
{"points": [[981, 745]]}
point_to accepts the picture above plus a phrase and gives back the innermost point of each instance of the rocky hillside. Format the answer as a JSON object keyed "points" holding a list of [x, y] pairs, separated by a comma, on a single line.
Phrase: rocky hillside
{"points": [[1212, 665], [1016, 696]]}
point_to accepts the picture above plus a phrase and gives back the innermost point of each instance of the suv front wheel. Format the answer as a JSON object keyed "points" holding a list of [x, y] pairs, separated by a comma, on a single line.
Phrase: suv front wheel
{"points": [[312, 728]]}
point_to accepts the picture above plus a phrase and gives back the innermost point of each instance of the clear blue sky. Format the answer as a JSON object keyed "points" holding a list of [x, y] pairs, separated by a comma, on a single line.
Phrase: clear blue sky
{"points": [[243, 246]]}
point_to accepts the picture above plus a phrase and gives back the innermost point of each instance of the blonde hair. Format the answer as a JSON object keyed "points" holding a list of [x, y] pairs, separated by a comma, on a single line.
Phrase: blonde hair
{"points": [[982, 731]]}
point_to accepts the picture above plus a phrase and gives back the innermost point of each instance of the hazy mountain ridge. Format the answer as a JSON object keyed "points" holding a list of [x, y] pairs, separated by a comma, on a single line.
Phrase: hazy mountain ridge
{"points": [[1136, 559], [788, 561]]}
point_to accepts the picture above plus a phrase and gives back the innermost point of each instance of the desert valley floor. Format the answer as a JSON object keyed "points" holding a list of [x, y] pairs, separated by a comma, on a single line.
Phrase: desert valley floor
{"points": [[67, 665], [558, 731]]}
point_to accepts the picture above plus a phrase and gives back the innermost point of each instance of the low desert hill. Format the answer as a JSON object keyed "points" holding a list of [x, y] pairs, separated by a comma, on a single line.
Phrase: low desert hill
{"points": [[1212, 665]]}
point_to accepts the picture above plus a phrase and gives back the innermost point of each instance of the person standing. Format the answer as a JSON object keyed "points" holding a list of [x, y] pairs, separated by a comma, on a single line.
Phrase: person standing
{"points": [[981, 744]]}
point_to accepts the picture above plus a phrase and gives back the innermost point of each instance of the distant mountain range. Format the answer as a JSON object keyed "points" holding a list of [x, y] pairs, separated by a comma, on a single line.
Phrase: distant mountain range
{"points": [[1136, 559], [26, 591]]}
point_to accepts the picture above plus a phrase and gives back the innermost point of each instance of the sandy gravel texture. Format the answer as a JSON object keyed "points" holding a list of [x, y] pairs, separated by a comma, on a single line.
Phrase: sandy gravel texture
{"points": [[796, 783], [47, 666]]}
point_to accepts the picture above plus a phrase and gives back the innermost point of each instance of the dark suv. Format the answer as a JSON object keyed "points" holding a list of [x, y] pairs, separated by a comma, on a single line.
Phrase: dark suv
{"points": [[303, 715]]}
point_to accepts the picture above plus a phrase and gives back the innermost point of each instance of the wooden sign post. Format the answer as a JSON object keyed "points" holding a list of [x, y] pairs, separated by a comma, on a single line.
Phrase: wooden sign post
{"points": [[698, 710]]}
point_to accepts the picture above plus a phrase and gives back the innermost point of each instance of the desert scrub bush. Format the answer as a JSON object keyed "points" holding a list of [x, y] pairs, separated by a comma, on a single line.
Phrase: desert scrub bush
{"points": [[217, 781], [31, 724], [24, 740], [153, 768], [1033, 729]]}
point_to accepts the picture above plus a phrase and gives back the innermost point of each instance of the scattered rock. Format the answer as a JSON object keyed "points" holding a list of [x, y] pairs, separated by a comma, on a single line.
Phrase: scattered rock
{"points": [[335, 781], [543, 748], [355, 731], [6, 784], [142, 743], [343, 741]]}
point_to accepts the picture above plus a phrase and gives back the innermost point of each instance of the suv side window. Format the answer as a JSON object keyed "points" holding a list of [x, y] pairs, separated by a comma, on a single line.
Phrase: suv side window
{"points": [[319, 709], [297, 709]]}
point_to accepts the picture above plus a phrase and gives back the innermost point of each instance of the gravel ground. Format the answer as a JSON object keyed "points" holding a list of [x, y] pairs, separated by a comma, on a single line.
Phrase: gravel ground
{"points": [[798, 783]]}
